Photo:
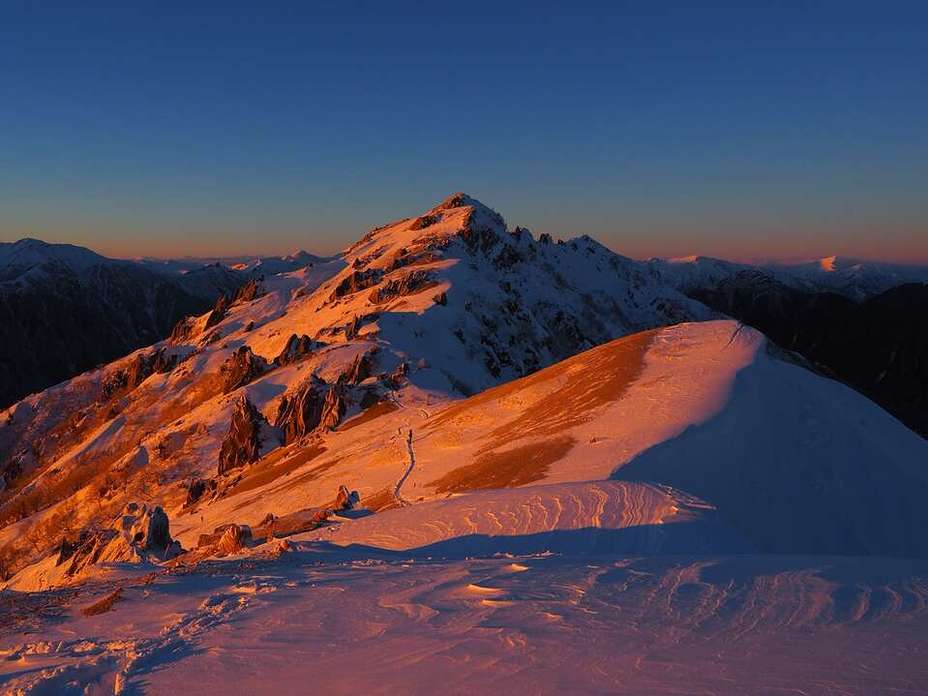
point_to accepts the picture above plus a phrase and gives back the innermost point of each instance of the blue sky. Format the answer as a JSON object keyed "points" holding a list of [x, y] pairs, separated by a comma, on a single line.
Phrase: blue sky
{"points": [[733, 129]]}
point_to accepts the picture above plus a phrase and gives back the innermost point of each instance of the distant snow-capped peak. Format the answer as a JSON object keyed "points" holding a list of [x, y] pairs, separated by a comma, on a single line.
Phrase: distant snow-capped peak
{"points": [[28, 253]]}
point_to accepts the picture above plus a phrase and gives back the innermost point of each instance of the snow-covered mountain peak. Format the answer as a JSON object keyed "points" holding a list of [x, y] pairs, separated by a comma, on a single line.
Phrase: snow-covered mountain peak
{"points": [[421, 311], [29, 253], [457, 215], [509, 303], [828, 264]]}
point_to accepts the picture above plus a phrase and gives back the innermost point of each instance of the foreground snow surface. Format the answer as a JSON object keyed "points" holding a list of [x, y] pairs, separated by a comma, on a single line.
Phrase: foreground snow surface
{"points": [[591, 528], [325, 619]]}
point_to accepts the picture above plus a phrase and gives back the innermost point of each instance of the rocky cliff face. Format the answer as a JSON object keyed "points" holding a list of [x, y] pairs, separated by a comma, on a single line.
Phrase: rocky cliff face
{"points": [[242, 444], [242, 367], [301, 411], [297, 348]]}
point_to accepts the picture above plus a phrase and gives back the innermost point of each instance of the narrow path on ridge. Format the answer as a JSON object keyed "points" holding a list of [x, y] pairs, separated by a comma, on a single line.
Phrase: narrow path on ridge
{"points": [[410, 452]]}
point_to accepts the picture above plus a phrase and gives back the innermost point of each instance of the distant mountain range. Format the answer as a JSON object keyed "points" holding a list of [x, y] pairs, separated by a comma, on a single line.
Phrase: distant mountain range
{"points": [[455, 439], [859, 321], [856, 279], [65, 309], [255, 265], [420, 312], [56, 296]]}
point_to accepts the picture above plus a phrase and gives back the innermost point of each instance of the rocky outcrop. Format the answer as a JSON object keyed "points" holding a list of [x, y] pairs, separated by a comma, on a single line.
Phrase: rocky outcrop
{"points": [[455, 200], [241, 368], [199, 489], [220, 309], [293, 523], [479, 231], [85, 550], [233, 540], [333, 410], [420, 223], [355, 282], [143, 366], [300, 412], [228, 539], [352, 328], [360, 369], [399, 375], [141, 533], [409, 284], [418, 254], [507, 258], [149, 528], [242, 444], [182, 330], [251, 290], [297, 348], [345, 499]]}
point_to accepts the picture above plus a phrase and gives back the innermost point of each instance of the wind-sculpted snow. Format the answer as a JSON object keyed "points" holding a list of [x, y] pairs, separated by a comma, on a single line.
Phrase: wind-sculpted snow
{"points": [[349, 623], [605, 517]]}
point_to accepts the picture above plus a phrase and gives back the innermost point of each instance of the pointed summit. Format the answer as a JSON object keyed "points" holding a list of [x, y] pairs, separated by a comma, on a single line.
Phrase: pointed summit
{"points": [[458, 200]]}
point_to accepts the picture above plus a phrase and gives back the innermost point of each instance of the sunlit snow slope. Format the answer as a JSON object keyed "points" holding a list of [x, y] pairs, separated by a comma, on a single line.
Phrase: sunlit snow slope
{"points": [[436, 307], [685, 509]]}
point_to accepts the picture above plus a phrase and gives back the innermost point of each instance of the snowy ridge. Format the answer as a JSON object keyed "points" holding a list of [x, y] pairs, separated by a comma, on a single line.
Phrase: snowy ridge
{"points": [[460, 455], [17, 258], [452, 301], [576, 518], [252, 265]]}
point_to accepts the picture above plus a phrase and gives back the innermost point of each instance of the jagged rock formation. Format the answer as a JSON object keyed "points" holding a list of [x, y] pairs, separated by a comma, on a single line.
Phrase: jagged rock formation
{"points": [[182, 330], [198, 489], [233, 540], [333, 410], [293, 523], [399, 374], [397, 287], [220, 309], [141, 368], [85, 550], [352, 328], [345, 499], [317, 405], [360, 369], [297, 348], [300, 413], [242, 444], [355, 282], [251, 290], [141, 533], [242, 367], [150, 529]]}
